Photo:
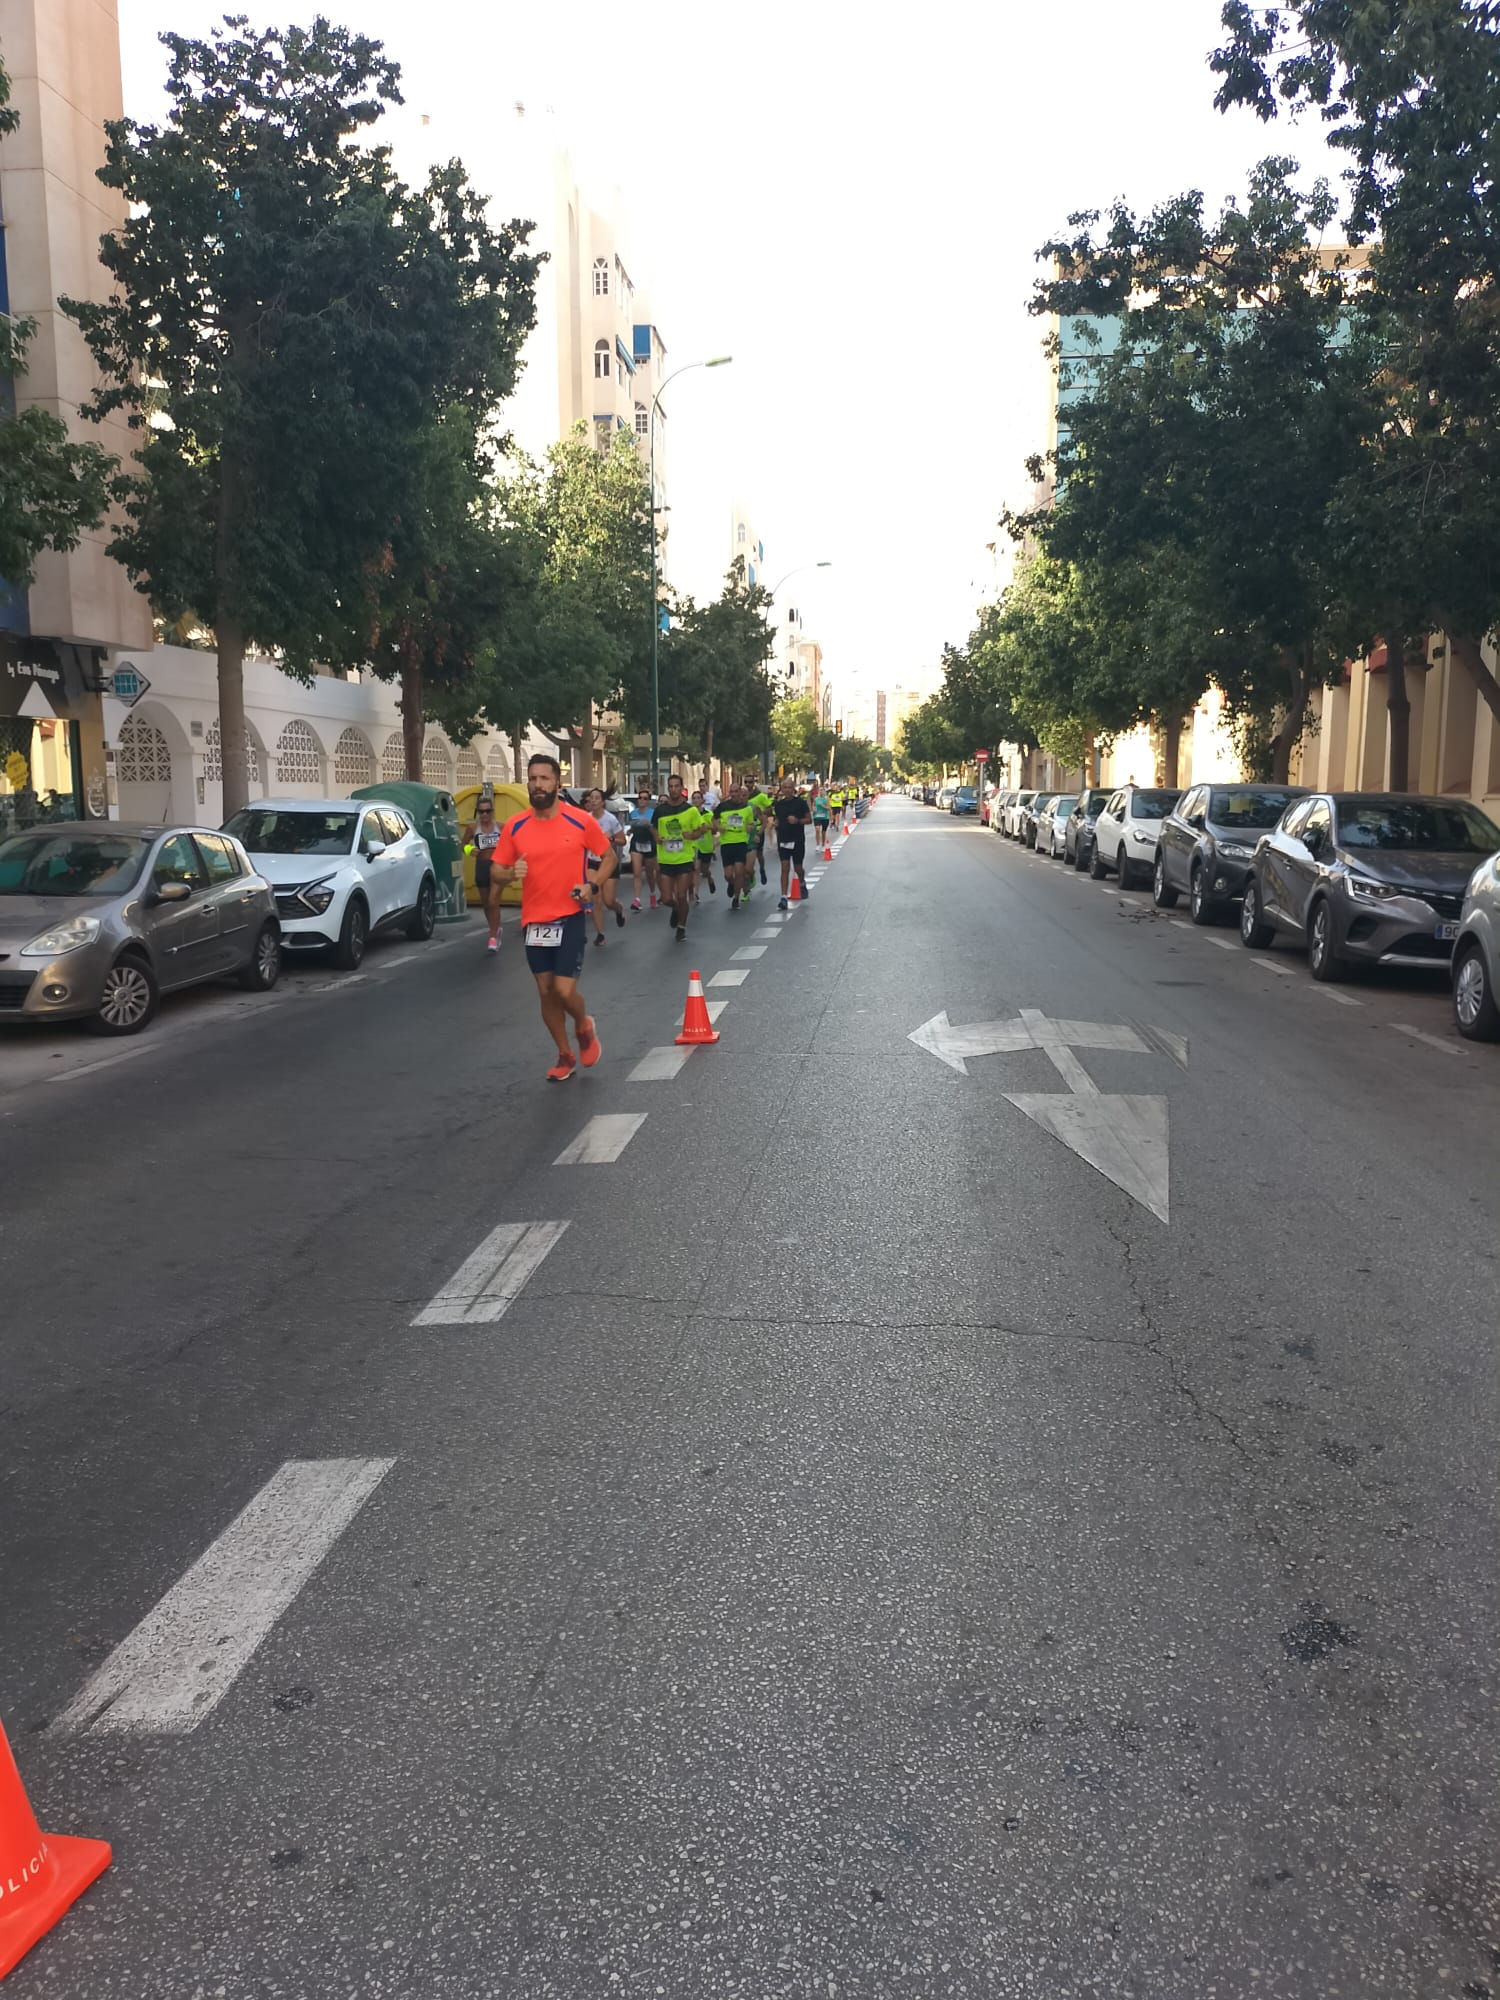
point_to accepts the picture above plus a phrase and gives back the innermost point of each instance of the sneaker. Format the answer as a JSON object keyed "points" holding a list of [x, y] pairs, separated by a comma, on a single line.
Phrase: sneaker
{"points": [[493, 945], [763, 878], [682, 933], [713, 887], [636, 904], [783, 904], [589, 1050], [806, 892], [563, 1068], [620, 918], [654, 901], [599, 937], [734, 902]]}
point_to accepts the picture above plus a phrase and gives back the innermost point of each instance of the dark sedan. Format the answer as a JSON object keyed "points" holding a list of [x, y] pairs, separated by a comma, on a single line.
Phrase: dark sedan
{"points": [[1377, 877], [1080, 827], [1207, 843]]}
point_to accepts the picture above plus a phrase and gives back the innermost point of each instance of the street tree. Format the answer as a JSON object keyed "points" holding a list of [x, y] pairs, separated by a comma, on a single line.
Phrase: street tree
{"points": [[293, 312], [715, 689], [52, 491], [794, 732]]}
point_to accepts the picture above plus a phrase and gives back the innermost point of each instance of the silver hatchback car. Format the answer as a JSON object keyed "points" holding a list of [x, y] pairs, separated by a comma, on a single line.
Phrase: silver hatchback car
{"points": [[98, 920]]}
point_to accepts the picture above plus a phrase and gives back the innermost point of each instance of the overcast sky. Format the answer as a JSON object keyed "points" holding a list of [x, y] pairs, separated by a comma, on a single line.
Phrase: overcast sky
{"points": [[849, 201]]}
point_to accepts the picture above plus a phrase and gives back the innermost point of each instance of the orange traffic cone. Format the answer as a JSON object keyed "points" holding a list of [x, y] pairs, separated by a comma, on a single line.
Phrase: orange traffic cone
{"points": [[696, 1026], [41, 1874], [796, 895], [827, 851]]}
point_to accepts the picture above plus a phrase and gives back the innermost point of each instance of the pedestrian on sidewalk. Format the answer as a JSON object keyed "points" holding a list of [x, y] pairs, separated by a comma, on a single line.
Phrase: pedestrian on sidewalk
{"points": [[546, 849]]}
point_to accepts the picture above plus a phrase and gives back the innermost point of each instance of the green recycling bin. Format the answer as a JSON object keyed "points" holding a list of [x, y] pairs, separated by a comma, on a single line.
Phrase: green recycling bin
{"points": [[435, 817]]}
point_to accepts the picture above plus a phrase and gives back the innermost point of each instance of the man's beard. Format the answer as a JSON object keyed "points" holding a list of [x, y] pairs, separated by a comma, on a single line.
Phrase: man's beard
{"points": [[541, 800]]}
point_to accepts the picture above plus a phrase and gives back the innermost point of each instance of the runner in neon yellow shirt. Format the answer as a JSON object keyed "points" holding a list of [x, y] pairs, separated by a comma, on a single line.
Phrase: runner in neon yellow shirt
{"points": [[678, 825]]}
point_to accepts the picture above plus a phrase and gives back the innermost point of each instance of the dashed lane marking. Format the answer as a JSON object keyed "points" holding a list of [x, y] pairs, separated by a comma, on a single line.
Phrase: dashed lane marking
{"points": [[767, 933], [1339, 999], [715, 1009], [750, 951], [602, 1140], [183, 1657], [1270, 965], [1224, 944], [659, 1065], [486, 1285], [731, 978], [1432, 1041]]}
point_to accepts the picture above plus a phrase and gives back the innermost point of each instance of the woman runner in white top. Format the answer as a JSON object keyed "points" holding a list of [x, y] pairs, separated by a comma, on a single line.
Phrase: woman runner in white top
{"points": [[603, 875]]}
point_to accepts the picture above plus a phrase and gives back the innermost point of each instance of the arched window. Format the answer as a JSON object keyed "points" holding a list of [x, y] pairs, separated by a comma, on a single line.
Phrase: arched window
{"points": [[470, 770], [602, 369], [213, 758], [497, 765], [393, 759], [297, 758], [741, 535], [353, 761], [437, 769], [601, 277], [642, 420], [142, 756]]}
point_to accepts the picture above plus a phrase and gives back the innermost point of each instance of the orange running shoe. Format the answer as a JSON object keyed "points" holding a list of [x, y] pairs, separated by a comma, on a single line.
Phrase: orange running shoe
{"points": [[562, 1069], [589, 1050]]}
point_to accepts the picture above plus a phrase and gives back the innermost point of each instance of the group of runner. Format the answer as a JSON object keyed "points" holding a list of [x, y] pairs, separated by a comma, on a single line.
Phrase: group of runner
{"points": [[568, 860]]}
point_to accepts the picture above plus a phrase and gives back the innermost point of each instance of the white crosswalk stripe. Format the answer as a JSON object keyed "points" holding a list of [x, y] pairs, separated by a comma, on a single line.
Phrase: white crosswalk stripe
{"points": [[602, 1140], [659, 1065], [183, 1657], [486, 1284]]}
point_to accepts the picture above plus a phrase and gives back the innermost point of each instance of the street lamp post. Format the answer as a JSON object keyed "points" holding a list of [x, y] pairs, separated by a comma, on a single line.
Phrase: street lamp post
{"points": [[800, 570], [718, 361]]}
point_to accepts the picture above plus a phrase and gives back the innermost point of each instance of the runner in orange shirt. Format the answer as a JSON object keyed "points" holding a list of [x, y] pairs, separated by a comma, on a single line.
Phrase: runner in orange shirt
{"points": [[546, 850]]}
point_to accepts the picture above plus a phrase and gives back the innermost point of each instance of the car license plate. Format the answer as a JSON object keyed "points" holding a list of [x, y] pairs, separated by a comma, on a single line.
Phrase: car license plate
{"points": [[544, 934], [1447, 932]]}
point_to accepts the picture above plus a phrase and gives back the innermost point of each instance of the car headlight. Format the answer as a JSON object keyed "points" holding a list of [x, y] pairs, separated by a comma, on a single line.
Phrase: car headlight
{"points": [[63, 938], [1236, 850], [318, 895], [1366, 891]]}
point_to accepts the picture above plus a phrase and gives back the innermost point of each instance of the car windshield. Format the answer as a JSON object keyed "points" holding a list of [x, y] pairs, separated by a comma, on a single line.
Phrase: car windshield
{"points": [[964, 792], [1152, 805], [1063, 805], [263, 830], [70, 863], [1419, 825], [1244, 811]]}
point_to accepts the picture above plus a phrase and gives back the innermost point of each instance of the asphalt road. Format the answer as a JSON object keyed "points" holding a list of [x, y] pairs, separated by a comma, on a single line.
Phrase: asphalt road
{"points": [[865, 1552]]}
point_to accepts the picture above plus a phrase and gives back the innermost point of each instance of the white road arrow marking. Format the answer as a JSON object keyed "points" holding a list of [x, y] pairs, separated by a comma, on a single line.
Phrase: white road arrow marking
{"points": [[1125, 1138], [955, 1046]]}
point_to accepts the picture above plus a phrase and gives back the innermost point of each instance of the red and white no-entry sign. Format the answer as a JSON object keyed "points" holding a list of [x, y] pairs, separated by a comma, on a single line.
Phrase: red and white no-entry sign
{"points": [[981, 756]]}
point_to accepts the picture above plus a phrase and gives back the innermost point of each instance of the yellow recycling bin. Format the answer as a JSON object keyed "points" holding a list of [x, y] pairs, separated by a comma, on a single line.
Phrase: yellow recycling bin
{"points": [[509, 800]]}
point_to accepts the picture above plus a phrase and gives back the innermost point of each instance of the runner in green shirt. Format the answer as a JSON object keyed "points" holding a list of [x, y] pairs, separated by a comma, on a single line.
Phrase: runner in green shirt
{"points": [[734, 818], [762, 805], [678, 825], [705, 847]]}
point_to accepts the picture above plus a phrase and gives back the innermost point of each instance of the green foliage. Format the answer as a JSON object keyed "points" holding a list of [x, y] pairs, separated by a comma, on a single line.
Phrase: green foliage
{"points": [[796, 734], [715, 689], [52, 491]]}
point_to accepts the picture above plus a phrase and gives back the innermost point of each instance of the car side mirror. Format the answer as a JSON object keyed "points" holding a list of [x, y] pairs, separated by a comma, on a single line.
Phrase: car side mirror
{"points": [[374, 851], [169, 892]]}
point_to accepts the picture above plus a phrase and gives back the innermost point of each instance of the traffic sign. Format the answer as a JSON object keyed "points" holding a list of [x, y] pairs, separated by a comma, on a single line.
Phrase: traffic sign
{"points": [[981, 756], [128, 684]]}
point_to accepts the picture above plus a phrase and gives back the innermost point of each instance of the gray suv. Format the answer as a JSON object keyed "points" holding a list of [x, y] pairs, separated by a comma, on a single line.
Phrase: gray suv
{"points": [[1476, 956], [1207, 842], [98, 920], [1372, 876]]}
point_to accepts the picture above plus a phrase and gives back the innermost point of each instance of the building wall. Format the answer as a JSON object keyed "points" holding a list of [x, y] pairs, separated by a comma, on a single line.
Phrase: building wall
{"points": [[1455, 740]]}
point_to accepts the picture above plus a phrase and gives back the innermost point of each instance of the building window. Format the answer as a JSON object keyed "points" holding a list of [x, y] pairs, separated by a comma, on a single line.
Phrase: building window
{"points": [[437, 768], [495, 765], [602, 369], [213, 758], [470, 770], [393, 759], [142, 756], [642, 420], [601, 277], [353, 761], [297, 759], [740, 534]]}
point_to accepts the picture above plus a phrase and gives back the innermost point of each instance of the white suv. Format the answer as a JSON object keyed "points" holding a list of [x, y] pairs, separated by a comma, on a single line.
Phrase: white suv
{"points": [[1126, 832], [341, 870]]}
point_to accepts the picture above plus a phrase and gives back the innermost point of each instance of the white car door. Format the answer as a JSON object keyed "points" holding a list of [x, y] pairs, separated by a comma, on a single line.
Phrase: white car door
{"points": [[1110, 830], [412, 849], [379, 873]]}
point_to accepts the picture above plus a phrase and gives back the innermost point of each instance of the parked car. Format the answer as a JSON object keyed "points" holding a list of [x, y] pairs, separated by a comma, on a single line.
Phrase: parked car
{"points": [[1052, 827], [1079, 837], [342, 869], [99, 919], [964, 800], [1476, 956], [1125, 833], [1208, 842], [1014, 813], [1031, 818], [945, 797], [1371, 876]]}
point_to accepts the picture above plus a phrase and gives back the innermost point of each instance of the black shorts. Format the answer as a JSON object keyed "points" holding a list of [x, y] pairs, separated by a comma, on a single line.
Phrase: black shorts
{"points": [[820, 825], [792, 850], [705, 864], [734, 853], [677, 867], [482, 865], [645, 847], [565, 959]]}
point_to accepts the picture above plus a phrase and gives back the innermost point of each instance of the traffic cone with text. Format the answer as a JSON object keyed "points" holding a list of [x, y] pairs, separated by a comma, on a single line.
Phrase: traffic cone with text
{"points": [[41, 1874], [696, 1026]]}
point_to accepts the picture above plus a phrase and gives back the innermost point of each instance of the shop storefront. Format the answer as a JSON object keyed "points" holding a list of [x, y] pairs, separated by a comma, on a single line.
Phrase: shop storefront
{"points": [[51, 742]]}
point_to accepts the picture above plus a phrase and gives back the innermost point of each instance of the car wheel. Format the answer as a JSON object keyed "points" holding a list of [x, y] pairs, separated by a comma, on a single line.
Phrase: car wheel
{"points": [[1324, 960], [1164, 897], [1254, 930], [264, 969], [354, 935], [1098, 867], [1475, 1014], [1127, 871], [1203, 908], [128, 999], [1081, 857], [424, 916]]}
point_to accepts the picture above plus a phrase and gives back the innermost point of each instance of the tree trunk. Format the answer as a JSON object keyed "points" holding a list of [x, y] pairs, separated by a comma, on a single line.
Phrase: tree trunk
{"points": [[1398, 716], [1466, 652], [233, 736], [1298, 669], [413, 727], [586, 746], [1171, 750], [518, 756], [708, 751]]}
